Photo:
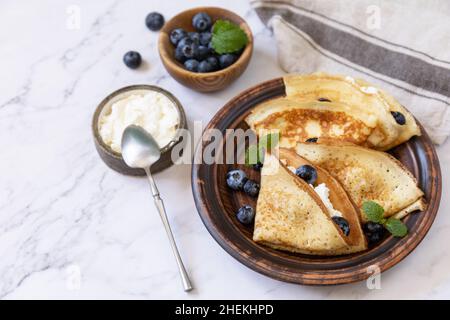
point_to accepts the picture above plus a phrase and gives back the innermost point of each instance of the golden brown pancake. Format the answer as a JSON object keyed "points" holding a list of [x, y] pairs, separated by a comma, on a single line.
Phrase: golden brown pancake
{"points": [[338, 197], [291, 216], [300, 120], [366, 174], [356, 93]]}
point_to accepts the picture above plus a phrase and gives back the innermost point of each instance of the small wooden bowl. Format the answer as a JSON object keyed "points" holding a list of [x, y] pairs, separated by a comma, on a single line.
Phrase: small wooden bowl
{"points": [[204, 82], [114, 159]]}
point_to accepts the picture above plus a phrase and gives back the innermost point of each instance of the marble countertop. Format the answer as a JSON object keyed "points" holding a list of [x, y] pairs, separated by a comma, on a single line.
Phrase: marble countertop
{"points": [[72, 228]]}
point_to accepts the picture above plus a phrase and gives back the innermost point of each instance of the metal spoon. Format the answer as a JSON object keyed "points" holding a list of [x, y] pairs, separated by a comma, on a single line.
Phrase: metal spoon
{"points": [[140, 150]]}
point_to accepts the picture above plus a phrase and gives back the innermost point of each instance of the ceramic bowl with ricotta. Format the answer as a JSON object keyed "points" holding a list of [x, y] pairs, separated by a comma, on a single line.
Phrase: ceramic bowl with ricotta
{"points": [[151, 107]]}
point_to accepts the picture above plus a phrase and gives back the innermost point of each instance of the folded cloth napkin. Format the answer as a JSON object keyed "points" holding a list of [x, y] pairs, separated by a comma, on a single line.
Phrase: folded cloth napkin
{"points": [[403, 46]]}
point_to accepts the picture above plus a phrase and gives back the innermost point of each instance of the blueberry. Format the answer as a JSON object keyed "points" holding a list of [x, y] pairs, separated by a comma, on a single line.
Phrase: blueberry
{"points": [[342, 224], [374, 227], [185, 41], [257, 166], [399, 117], [132, 59], [191, 65], [205, 38], [214, 62], [194, 36], [188, 47], [311, 140], [211, 47], [179, 55], [251, 188], [176, 35], [324, 100], [201, 21], [205, 67], [236, 179], [154, 21], [307, 173], [202, 52], [374, 232], [239, 52], [245, 214], [227, 60]]}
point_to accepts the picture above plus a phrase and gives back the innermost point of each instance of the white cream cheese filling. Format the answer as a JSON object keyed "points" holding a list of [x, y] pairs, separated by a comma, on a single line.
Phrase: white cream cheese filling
{"points": [[324, 194], [151, 110]]}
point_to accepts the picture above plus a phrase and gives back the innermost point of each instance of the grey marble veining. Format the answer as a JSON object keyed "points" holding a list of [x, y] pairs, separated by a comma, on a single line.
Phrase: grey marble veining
{"points": [[72, 228]]}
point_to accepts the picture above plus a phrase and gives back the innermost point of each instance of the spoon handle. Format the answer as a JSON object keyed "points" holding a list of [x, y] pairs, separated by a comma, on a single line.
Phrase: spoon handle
{"points": [[187, 286]]}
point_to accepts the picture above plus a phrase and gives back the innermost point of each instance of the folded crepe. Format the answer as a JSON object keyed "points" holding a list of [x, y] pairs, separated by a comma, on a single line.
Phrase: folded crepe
{"points": [[367, 174], [336, 107], [357, 93], [300, 120], [338, 198], [291, 216]]}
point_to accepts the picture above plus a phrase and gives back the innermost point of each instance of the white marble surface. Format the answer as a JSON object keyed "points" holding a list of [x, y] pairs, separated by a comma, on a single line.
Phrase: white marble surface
{"points": [[64, 216]]}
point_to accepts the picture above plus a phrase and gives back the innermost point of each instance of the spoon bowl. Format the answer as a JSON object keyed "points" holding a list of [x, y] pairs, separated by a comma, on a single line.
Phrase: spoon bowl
{"points": [[139, 148]]}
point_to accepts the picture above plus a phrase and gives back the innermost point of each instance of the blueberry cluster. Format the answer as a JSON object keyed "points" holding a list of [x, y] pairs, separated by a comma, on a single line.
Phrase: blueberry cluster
{"points": [[194, 49], [374, 232], [237, 180]]}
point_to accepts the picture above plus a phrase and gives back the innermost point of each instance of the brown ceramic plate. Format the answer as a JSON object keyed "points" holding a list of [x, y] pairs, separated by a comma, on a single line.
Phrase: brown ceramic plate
{"points": [[217, 206]]}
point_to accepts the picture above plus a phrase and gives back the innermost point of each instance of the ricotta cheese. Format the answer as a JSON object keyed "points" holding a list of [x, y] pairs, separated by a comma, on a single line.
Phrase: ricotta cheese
{"points": [[152, 110], [324, 194]]}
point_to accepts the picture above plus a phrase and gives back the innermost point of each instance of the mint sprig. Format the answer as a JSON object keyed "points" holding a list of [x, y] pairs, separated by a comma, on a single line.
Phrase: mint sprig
{"points": [[374, 213], [253, 155], [396, 227], [269, 141], [255, 152], [227, 37]]}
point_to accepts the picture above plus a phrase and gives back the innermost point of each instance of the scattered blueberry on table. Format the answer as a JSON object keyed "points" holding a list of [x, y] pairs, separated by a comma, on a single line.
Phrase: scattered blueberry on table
{"points": [[154, 21], [132, 59], [214, 46]]}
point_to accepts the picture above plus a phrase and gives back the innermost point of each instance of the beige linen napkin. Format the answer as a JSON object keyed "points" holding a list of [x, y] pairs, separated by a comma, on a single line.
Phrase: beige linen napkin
{"points": [[401, 45]]}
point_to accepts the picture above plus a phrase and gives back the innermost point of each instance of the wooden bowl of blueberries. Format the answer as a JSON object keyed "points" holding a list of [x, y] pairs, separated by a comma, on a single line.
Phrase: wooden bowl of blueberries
{"points": [[206, 48]]}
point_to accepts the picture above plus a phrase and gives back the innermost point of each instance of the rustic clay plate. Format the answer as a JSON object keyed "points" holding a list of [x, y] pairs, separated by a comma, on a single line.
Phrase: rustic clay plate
{"points": [[217, 206]]}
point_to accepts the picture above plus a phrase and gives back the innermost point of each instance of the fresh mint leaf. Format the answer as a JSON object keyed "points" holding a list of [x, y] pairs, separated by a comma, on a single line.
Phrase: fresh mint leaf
{"points": [[252, 155], [227, 37], [255, 152], [396, 227], [373, 211], [269, 141]]}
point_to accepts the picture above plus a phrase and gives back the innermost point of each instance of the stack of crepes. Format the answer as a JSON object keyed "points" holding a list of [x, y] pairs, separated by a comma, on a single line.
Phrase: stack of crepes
{"points": [[341, 126]]}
